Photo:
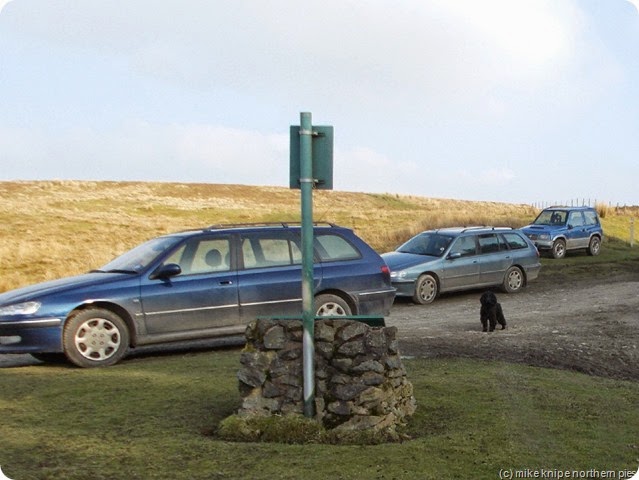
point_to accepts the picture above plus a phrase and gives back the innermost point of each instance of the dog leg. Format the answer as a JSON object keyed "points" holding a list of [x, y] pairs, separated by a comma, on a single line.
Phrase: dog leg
{"points": [[500, 317], [483, 318], [492, 317]]}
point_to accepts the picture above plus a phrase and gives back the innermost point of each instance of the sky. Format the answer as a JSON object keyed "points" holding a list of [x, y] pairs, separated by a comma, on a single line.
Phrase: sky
{"points": [[517, 101]]}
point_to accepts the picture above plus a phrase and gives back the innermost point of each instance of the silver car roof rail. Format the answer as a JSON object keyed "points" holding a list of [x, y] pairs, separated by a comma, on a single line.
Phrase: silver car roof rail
{"points": [[474, 227]]}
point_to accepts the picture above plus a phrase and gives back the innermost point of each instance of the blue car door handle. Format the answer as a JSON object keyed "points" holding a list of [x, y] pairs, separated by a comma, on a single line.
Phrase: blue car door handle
{"points": [[226, 282]]}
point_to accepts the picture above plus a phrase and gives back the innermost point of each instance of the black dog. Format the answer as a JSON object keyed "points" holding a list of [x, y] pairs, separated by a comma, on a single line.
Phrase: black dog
{"points": [[491, 312]]}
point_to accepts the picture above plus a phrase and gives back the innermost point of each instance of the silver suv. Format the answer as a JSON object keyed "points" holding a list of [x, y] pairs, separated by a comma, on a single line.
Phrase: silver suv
{"points": [[451, 259], [559, 229]]}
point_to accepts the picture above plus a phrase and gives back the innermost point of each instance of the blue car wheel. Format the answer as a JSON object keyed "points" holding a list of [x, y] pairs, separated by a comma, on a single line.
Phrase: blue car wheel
{"points": [[327, 305], [95, 338]]}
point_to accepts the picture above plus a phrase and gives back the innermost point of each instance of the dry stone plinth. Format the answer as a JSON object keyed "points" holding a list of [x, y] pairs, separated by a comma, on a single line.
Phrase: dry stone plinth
{"points": [[360, 381]]}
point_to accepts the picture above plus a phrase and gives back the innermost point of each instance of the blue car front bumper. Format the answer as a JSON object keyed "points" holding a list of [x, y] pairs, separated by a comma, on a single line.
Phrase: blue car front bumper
{"points": [[31, 336]]}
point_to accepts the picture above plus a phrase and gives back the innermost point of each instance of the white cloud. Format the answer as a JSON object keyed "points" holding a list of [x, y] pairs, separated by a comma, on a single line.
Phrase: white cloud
{"points": [[140, 150], [635, 3], [364, 169], [492, 177], [526, 39], [338, 50], [3, 3]]}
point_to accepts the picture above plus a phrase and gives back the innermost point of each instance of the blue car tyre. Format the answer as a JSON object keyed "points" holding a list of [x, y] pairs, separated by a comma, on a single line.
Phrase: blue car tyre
{"points": [[426, 289], [95, 337], [513, 280], [328, 305]]}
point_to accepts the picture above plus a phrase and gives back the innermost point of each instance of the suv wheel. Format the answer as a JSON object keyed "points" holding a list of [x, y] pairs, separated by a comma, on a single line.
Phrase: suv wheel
{"points": [[426, 289], [559, 249], [513, 280], [594, 247]]}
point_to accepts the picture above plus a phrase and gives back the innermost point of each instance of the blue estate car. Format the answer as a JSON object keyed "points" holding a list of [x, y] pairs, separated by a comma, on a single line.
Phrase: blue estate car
{"points": [[558, 230], [453, 259], [191, 285]]}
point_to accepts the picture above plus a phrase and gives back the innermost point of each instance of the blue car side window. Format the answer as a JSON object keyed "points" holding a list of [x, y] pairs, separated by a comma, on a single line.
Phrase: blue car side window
{"points": [[269, 251], [211, 256], [333, 247], [202, 255]]}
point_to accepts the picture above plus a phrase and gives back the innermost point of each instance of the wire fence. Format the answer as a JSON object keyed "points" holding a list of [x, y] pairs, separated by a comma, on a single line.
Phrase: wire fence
{"points": [[582, 202]]}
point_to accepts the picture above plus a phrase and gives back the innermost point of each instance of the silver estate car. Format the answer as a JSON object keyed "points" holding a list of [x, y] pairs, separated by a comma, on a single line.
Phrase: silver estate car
{"points": [[452, 259]]}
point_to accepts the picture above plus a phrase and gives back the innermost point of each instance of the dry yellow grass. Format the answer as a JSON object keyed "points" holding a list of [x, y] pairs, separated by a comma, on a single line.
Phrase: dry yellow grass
{"points": [[50, 229]]}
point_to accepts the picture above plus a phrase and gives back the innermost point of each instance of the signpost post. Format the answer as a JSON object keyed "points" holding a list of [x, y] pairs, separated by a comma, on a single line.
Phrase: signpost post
{"points": [[311, 166]]}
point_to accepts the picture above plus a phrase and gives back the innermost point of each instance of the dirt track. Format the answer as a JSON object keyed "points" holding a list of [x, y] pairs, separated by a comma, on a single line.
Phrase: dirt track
{"points": [[585, 323], [588, 325]]}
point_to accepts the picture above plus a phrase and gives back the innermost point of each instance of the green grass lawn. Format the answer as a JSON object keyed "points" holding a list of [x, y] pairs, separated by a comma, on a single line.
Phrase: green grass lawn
{"points": [[155, 417]]}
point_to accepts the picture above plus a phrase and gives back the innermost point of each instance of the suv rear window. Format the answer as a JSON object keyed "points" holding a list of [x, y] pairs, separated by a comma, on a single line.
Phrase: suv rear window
{"points": [[576, 219], [331, 247], [591, 217]]}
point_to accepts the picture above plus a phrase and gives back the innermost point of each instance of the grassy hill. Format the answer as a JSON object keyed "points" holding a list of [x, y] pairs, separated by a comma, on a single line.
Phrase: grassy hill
{"points": [[51, 229]]}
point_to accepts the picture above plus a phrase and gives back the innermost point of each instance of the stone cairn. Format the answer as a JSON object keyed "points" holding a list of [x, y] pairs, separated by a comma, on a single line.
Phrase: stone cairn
{"points": [[360, 381]]}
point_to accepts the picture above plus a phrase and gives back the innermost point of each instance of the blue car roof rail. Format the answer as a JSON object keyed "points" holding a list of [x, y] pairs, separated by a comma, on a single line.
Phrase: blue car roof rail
{"points": [[264, 224]]}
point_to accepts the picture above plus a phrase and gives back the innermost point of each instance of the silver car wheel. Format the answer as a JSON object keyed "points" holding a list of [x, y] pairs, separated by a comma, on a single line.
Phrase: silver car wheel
{"points": [[426, 289], [514, 280]]}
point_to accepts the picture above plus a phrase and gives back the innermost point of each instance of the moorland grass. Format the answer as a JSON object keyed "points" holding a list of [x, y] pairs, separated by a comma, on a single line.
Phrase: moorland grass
{"points": [[52, 229], [158, 417]]}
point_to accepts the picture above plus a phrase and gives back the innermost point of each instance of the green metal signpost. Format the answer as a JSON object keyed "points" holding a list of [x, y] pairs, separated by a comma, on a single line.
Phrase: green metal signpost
{"points": [[311, 167]]}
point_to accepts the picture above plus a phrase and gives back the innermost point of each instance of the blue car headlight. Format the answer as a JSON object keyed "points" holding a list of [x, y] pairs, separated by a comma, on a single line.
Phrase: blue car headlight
{"points": [[25, 308], [544, 236]]}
